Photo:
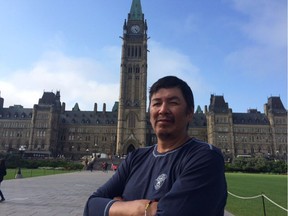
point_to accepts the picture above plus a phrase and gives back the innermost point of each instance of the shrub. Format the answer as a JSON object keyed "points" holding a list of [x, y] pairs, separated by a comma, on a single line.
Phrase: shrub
{"points": [[257, 165], [13, 161]]}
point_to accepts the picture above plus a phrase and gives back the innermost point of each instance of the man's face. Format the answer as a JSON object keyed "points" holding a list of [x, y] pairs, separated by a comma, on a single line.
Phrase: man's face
{"points": [[168, 113]]}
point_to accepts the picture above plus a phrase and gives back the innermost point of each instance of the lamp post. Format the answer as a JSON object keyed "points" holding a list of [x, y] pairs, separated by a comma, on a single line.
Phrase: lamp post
{"points": [[21, 151], [72, 152], [87, 152], [96, 149]]}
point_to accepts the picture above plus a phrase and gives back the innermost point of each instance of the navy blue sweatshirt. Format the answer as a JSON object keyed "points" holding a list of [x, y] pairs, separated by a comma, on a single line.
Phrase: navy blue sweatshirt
{"points": [[187, 181]]}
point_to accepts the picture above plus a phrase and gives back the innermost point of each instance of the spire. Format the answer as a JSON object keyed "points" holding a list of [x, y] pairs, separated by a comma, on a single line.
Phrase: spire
{"points": [[136, 11]]}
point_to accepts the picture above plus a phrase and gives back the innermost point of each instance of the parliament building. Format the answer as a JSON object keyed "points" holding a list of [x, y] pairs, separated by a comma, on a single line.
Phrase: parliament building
{"points": [[48, 129]]}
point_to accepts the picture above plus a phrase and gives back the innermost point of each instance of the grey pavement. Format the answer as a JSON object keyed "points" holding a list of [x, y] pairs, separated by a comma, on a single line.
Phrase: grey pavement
{"points": [[54, 195]]}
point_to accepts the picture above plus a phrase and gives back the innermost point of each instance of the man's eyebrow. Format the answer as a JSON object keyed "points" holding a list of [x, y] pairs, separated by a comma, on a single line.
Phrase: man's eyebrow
{"points": [[169, 98]]}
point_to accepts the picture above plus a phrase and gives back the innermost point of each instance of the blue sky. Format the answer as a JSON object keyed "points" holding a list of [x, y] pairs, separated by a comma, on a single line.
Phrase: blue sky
{"points": [[234, 48]]}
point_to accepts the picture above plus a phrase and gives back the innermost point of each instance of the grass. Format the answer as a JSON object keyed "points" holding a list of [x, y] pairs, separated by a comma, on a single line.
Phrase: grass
{"points": [[249, 185], [27, 173]]}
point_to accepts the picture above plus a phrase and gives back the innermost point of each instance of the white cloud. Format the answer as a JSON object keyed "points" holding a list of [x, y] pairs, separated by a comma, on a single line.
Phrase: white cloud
{"points": [[167, 61], [81, 80], [267, 21], [88, 81], [266, 30]]}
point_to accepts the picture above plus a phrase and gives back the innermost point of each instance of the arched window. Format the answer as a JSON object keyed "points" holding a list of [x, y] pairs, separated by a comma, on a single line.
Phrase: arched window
{"points": [[130, 148], [131, 120]]}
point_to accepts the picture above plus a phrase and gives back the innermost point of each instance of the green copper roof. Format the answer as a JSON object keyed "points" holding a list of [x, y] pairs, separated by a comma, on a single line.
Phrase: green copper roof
{"points": [[136, 10]]}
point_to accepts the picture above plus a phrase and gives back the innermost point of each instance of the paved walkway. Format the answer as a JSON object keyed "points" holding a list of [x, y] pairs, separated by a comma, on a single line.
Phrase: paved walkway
{"points": [[54, 195]]}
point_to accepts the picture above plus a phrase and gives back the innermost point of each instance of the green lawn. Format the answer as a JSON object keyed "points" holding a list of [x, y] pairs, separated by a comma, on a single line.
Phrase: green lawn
{"points": [[27, 173], [249, 185]]}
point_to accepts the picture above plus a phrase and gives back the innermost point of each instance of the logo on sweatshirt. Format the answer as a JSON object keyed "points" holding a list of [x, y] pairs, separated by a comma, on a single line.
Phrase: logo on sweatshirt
{"points": [[160, 181]]}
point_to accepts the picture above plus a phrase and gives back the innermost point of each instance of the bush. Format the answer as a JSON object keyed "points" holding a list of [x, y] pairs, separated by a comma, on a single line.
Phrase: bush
{"points": [[257, 165], [13, 161]]}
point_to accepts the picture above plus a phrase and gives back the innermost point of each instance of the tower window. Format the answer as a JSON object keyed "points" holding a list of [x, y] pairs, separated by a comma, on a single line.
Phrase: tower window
{"points": [[140, 51], [132, 119], [128, 51]]}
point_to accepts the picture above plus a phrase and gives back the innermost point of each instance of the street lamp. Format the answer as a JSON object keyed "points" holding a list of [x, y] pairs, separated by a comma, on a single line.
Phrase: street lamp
{"points": [[87, 152], [72, 152], [21, 151]]}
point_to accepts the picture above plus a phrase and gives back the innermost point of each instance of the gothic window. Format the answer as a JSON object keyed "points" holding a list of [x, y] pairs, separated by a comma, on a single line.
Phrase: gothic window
{"points": [[136, 103], [252, 150], [130, 148], [128, 51], [136, 52], [131, 120], [140, 51]]}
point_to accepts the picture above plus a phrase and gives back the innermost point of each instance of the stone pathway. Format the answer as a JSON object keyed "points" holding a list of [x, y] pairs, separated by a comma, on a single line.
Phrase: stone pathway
{"points": [[54, 195]]}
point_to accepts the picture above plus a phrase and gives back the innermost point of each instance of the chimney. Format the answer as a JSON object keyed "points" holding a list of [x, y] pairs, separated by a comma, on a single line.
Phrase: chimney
{"points": [[63, 107], [1, 102], [95, 107], [104, 108]]}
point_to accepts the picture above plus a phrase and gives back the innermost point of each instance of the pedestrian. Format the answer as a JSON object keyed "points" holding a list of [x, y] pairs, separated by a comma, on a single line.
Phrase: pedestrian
{"points": [[103, 166], [3, 172], [91, 164], [178, 176], [113, 167], [86, 163]]}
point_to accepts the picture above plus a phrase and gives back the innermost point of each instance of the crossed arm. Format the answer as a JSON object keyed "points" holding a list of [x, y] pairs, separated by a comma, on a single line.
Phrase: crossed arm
{"points": [[133, 208], [193, 192]]}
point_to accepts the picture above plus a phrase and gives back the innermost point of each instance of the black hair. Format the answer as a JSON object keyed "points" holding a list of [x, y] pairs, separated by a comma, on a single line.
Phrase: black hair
{"points": [[171, 82]]}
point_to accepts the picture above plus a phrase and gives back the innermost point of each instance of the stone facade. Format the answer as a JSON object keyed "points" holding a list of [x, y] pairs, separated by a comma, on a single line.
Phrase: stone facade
{"points": [[48, 129]]}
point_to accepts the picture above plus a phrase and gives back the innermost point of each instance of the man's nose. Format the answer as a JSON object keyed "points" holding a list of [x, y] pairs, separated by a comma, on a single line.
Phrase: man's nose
{"points": [[164, 108]]}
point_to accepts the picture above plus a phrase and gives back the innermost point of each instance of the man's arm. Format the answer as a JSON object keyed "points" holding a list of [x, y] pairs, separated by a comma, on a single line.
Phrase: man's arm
{"points": [[100, 201], [128, 208]]}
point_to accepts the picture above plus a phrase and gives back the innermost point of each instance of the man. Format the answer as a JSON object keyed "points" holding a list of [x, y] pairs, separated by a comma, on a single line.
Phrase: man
{"points": [[3, 172], [179, 176]]}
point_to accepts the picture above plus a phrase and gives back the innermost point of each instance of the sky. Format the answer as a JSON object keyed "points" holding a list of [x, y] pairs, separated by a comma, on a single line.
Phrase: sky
{"points": [[233, 48]]}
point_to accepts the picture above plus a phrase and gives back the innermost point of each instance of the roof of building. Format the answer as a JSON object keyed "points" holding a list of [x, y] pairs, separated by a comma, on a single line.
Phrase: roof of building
{"points": [[250, 118], [218, 104], [16, 112], [199, 120], [50, 98], [275, 106], [89, 118], [136, 11]]}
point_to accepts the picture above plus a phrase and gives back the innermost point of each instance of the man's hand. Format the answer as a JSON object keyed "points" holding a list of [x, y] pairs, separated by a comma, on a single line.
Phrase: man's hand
{"points": [[132, 208], [152, 209]]}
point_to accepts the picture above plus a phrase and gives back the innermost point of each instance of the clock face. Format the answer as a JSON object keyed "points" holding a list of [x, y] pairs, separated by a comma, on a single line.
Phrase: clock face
{"points": [[135, 29]]}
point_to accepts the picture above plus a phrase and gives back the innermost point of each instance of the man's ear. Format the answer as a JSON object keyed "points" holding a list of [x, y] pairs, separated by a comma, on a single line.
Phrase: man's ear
{"points": [[190, 114]]}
